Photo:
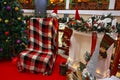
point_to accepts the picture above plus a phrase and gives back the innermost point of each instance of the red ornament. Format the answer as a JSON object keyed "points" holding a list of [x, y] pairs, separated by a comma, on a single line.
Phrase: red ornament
{"points": [[6, 33]]}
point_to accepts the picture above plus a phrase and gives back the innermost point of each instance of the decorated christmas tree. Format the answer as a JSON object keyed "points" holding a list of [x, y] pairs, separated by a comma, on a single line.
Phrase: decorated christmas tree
{"points": [[12, 29]]}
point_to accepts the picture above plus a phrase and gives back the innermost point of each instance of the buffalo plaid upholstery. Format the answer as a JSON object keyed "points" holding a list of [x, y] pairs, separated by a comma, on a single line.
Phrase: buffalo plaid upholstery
{"points": [[42, 48]]}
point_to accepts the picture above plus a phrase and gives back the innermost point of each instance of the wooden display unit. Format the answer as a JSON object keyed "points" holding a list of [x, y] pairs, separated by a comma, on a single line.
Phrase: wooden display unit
{"points": [[117, 5], [27, 4], [90, 5], [60, 4]]}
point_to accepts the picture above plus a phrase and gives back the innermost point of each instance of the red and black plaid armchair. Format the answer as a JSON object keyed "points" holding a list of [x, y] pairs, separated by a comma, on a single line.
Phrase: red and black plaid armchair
{"points": [[40, 55]]}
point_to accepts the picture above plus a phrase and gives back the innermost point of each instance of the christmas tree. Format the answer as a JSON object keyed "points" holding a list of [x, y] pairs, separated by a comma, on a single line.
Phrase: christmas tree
{"points": [[12, 29]]}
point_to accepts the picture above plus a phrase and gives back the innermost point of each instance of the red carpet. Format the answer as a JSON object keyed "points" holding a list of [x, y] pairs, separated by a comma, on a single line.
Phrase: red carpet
{"points": [[8, 71]]}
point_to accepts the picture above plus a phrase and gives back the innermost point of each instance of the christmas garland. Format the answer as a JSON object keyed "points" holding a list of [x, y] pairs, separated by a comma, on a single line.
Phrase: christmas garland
{"points": [[104, 23]]}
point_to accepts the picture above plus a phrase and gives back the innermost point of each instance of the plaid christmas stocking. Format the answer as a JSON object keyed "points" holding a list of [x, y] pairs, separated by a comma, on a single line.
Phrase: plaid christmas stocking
{"points": [[106, 42], [66, 36]]}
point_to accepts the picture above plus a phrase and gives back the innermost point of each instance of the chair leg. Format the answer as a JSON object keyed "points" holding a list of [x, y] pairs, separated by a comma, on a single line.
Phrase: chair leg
{"points": [[51, 70], [20, 68], [48, 73]]}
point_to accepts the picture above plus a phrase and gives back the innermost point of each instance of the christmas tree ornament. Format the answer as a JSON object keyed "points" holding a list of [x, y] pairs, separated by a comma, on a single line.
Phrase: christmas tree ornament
{"points": [[16, 8], [6, 40], [8, 7], [19, 18], [6, 33], [4, 2], [6, 21], [18, 41]]}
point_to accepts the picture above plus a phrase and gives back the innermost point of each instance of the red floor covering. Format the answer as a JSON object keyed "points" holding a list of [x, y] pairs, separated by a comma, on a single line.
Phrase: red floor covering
{"points": [[8, 71]]}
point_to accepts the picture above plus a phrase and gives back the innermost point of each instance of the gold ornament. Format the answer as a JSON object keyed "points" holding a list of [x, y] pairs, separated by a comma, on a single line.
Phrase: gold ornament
{"points": [[5, 3], [16, 8], [6, 40], [19, 18], [6, 21]]}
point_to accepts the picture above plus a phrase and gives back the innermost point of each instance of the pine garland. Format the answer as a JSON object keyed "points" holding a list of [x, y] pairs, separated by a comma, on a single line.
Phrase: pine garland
{"points": [[94, 23]]}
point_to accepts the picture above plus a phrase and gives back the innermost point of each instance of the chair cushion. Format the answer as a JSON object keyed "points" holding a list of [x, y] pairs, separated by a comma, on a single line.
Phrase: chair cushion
{"points": [[34, 61]]}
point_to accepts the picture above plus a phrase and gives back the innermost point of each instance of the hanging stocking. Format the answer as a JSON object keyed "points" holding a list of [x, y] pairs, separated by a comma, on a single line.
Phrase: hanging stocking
{"points": [[94, 40], [66, 39], [106, 42]]}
